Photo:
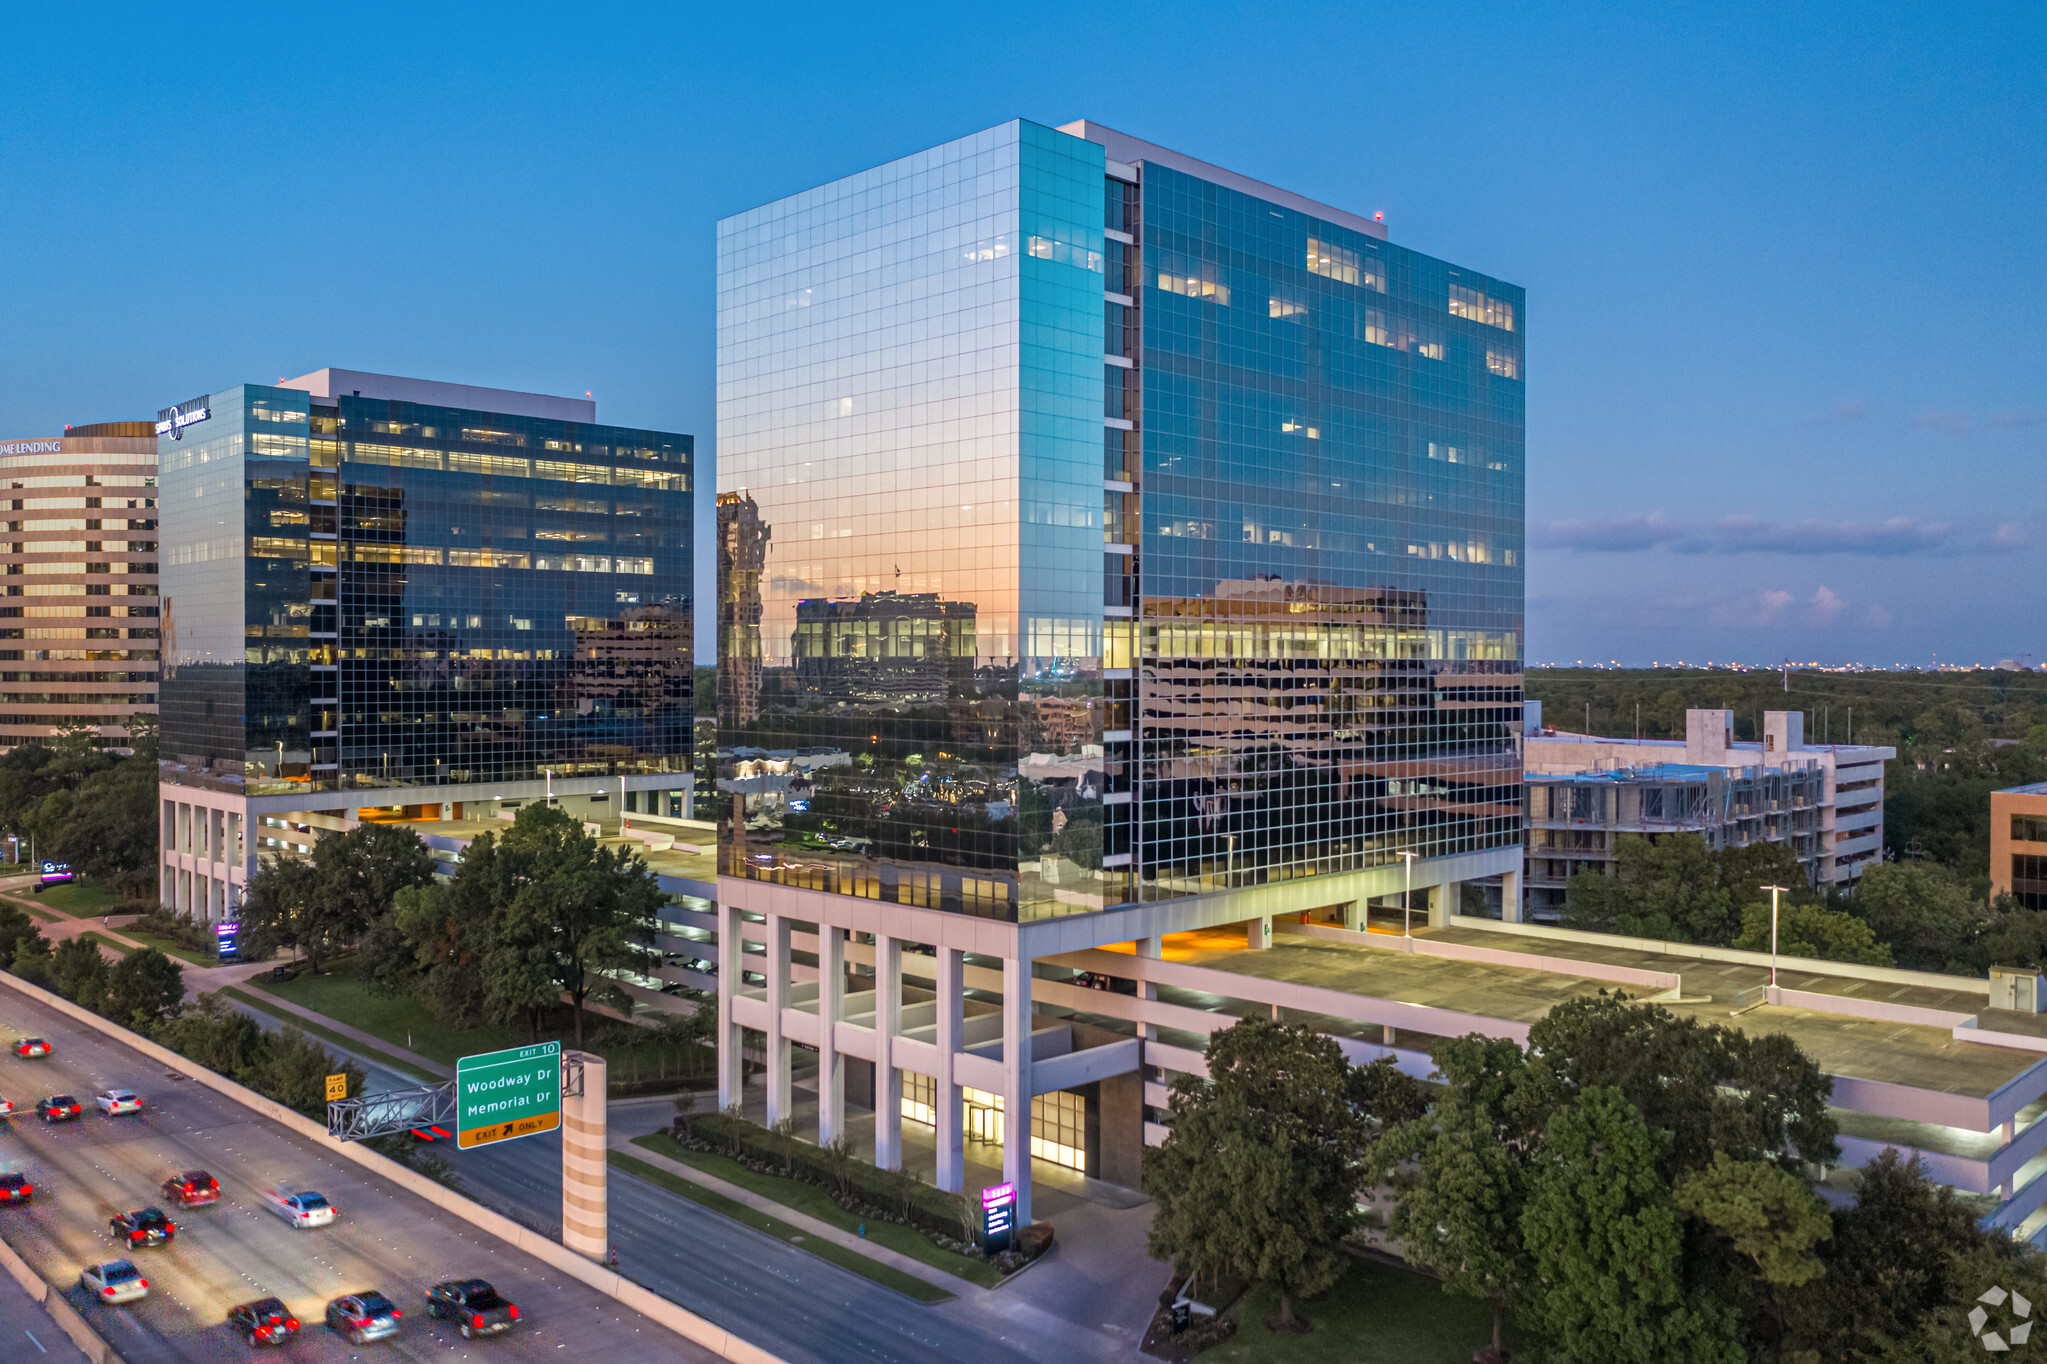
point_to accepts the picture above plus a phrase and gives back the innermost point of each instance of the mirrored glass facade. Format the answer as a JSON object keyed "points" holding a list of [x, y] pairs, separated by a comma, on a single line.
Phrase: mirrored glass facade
{"points": [[1089, 537], [366, 594]]}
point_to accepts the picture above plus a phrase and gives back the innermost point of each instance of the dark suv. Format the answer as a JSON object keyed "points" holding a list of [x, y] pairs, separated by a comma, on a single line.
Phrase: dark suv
{"points": [[143, 1227], [473, 1305], [266, 1321]]}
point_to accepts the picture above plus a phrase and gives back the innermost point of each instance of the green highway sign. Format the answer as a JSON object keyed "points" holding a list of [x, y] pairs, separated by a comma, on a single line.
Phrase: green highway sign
{"points": [[505, 1094]]}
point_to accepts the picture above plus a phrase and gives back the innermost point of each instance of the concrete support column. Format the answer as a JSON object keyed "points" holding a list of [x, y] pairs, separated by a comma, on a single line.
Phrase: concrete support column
{"points": [[831, 1007], [778, 999], [1258, 933], [585, 1212], [888, 1081], [1153, 948], [952, 1152], [1016, 1082], [1510, 897], [1445, 900], [1354, 916], [726, 1041]]}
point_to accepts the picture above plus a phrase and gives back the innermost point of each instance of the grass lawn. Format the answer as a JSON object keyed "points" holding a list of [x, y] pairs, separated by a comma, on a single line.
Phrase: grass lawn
{"points": [[1376, 1314], [329, 1035], [809, 1199], [79, 899], [397, 1019], [119, 949], [406, 1023], [170, 948], [853, 1260]]}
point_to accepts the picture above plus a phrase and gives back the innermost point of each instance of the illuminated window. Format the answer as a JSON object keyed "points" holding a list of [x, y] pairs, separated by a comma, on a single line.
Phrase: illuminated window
{"points": [[1471, 303], [1286, 308], [1334, 261], [1194, 279], [1312, 432], [1058, 1119], [1504, 363]]}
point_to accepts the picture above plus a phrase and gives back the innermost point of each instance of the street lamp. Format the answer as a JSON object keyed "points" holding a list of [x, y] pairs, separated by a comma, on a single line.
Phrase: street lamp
{"points": [[1407, 899], [1775, 891]]}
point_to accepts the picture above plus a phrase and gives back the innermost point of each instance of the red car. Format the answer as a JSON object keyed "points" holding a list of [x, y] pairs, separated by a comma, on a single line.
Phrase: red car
{"points": [[15, 1188], [191, 1189], [30, 1047]]}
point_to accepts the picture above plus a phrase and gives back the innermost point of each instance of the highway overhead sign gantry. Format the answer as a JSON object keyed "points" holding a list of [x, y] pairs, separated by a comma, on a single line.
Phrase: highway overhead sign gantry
{"points": [[505, 1094]]}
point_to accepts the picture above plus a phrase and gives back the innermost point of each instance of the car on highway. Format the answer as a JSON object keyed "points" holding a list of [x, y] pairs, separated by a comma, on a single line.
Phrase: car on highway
{"points": [[364, 1317], [28, 1048], [304, 1209], [473, 1305], [191, 1189], [143, 1227], [266, 1321], [114, 1102], [58, 1108], [114, 1281], [6, 1108], [16, 1188]]}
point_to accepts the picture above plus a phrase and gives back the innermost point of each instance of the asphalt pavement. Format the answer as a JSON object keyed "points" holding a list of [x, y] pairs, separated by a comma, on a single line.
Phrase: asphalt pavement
{"points": [[236, 1250], [776, 1295]]}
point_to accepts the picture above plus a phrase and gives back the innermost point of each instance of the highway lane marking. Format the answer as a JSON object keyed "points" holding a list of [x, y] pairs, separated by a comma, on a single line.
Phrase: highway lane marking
{"points": [[33, 1341]]}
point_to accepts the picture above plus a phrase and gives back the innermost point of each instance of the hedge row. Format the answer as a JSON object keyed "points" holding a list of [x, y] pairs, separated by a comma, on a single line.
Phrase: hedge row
{"points": [[898, 1195]]}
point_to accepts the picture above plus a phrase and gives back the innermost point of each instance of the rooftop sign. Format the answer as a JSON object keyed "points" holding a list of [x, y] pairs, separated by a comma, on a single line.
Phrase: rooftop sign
{"points": [[172, 421]]}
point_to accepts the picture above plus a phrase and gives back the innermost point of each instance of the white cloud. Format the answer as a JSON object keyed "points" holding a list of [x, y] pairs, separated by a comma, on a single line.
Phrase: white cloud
{"points": [[1824, 607]]}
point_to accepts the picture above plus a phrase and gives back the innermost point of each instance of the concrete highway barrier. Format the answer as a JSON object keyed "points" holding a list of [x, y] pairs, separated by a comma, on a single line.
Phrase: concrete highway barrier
{"points": [[648, 1304], [68, 1321]]}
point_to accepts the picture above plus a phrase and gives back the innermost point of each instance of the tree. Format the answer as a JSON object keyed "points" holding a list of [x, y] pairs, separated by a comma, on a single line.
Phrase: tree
{"points": [[1460, 1179], [1702, 1087], [1891, 1261], [78, 971], [109, 829], [31, 959], [218, 1036], [1258, 1170], [1666, 889], [143, 989], [1812, 930], [361, 871], [15, 925], [1765, 1213], [1608, 1249], [277, 906], [1922, 911], [294, 1068], [576, 914]]}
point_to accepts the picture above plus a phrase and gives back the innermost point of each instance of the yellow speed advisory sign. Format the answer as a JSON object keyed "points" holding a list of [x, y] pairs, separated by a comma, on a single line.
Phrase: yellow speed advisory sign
{"points": [[337, 1087]]}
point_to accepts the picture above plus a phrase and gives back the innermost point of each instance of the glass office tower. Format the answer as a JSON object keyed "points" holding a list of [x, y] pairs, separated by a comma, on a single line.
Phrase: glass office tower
{"points": [[383, 598], [1108, 528]]}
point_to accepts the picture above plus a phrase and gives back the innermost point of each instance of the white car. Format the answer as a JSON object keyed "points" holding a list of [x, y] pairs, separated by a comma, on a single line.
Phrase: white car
{"points": [[114, 1102], [6, 1108], [306, 1209], [114, 1281]]}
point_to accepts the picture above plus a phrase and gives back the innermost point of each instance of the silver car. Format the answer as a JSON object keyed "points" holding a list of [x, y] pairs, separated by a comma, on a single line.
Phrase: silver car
{"points": [[363, 1317], [114, 1281]]}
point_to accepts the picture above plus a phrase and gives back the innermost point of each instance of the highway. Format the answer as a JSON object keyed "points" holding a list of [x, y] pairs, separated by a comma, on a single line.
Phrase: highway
{"points": [[778, 1296], [236, 1249]]}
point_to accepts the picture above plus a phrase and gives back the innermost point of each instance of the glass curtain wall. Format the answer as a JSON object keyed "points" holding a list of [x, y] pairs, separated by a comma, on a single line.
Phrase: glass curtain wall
{"points": [[1332, 557], [909, 369]]}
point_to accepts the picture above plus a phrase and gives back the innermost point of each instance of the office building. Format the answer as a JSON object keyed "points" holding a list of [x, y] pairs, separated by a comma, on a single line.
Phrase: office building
{"points": [[2018, 844], [78, 614], [1825, 801], [1049, 427], [391, 598]]}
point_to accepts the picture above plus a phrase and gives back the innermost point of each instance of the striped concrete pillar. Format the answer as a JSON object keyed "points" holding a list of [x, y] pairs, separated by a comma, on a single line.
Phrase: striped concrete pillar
{"points": [[585, 1224]]}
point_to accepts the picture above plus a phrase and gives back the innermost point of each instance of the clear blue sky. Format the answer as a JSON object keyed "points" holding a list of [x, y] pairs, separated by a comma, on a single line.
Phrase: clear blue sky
{"points": [[1787, 318]]}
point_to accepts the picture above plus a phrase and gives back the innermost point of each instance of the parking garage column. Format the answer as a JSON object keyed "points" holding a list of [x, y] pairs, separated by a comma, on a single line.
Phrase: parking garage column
{"points": [[1153, 948], [952, 1156], [730, 974], [778, 1000], [1016, 1082], [888, 1081], [1258, 933], [1445, 900], [831, 1007], [1510, 896]]}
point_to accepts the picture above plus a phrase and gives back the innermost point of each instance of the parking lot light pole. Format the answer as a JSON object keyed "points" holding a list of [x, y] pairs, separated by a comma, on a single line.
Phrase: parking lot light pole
{"points": [[1775, 891]]}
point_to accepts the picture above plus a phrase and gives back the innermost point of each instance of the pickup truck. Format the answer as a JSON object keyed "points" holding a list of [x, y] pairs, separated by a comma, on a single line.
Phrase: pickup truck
{"points": [[473, 1305]]}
